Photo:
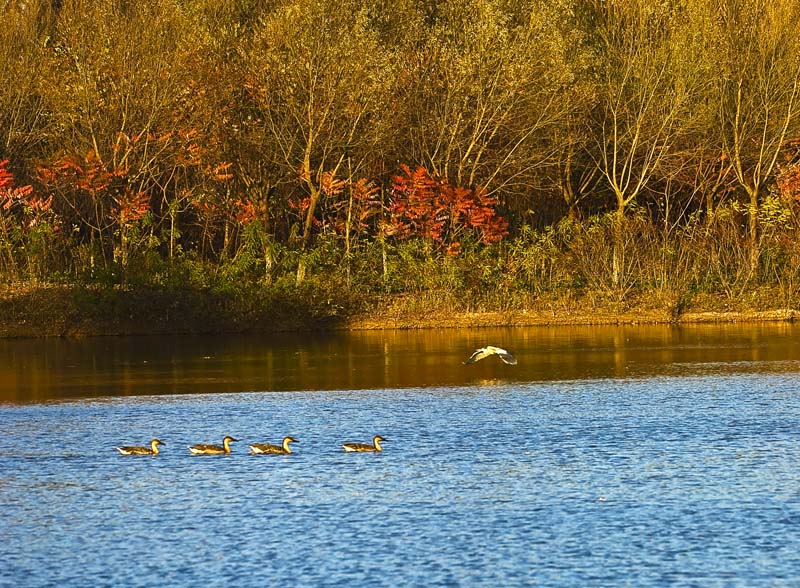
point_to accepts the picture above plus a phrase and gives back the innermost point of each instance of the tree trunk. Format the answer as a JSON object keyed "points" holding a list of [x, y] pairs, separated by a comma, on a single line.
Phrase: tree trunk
{"points": [[618, 261], [306, 236], [755, 255], [171, 233]]}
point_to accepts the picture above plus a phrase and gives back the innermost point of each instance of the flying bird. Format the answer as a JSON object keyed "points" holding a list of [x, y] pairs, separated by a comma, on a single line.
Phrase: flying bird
{"points": [[484, 352]]}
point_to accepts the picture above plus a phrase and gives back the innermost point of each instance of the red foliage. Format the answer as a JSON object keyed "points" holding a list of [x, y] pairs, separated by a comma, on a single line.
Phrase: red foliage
{"points": [[355, 211], [206, 207], [6, 179], [86, 174], [131, 206], [300, 204], [789, 182], [94, 191], [8, 193], [346, 204], [220, 172], [245, 211], [329, 185], [428, 207], [32, 209]]}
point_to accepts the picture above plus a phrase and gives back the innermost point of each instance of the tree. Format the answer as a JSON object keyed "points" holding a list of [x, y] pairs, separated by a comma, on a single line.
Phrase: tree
{"points": [[320, 77], [24, 53], [123, 103], [757, 84], [483, 89], [640, 102]]}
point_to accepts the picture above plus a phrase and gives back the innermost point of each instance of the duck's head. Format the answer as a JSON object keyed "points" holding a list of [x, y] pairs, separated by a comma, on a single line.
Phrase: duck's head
{"points": [[228, 439], [378, 439], [290, 440], [156, 442]]}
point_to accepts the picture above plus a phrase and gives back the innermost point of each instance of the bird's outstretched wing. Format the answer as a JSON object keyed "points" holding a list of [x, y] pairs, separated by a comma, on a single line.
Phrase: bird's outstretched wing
{"points": [[508, 358], [485, 352]]}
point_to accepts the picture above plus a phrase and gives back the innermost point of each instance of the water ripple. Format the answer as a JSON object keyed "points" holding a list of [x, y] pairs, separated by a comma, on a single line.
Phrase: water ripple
{"points": [[664, 481]]}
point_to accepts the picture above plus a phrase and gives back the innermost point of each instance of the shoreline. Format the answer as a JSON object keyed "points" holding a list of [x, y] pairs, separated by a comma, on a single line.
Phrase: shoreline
{"points": [[539, 319], [69, 312]]}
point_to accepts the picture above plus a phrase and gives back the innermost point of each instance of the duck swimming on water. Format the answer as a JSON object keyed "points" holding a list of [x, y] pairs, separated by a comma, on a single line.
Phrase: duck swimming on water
{"points": [[365, 447], [266, 448], [490, 350], [202, 449], [138, 450]]}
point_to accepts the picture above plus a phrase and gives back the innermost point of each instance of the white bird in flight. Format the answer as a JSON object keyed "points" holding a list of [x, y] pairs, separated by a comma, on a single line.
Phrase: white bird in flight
{"points": [[484, 352]]}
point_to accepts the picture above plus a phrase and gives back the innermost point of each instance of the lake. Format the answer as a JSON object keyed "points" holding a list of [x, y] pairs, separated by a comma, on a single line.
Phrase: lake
{"points": [[609, 456]]}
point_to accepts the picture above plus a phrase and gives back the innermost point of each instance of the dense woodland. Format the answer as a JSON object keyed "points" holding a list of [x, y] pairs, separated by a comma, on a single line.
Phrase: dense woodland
{"points": [[483, 153]]}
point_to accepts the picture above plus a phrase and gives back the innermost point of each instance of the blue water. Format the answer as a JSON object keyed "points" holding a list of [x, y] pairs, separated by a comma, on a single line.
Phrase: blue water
{"points": [[653, 481]]}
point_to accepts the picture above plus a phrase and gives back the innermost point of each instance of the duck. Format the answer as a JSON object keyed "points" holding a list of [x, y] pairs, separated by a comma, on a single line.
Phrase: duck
{"points": [[490, 350], [364, 447], [263, 448], [138, 450], [201, 449]]}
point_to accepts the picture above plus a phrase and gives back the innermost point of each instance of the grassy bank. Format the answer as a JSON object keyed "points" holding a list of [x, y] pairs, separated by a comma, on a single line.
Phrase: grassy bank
{"points": [[71, 311], [74, 311]]}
